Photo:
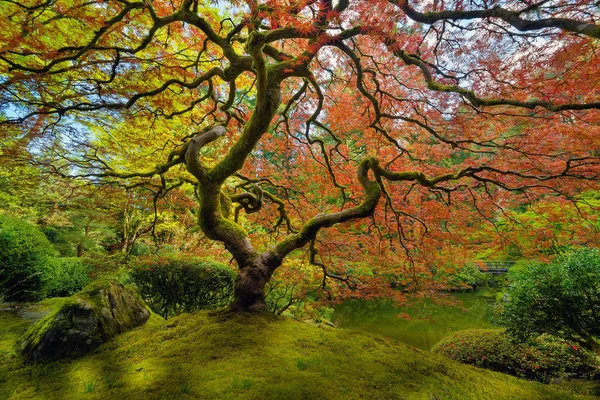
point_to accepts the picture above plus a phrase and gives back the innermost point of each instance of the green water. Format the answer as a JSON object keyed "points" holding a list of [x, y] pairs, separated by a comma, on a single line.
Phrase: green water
{"points": [[428, 323]]}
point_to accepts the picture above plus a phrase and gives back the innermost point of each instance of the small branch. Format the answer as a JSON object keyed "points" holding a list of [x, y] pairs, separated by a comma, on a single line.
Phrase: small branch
{"points": [[412, 59], [309, 231]]}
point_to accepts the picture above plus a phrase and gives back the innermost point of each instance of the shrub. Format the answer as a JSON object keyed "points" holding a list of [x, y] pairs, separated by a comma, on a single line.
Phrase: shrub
{"points": [[518, 267], [468, 276], [561, 299], [64, 277], [140, 249], [171, 287], [543, 359], [59, 240], [24, 251]]}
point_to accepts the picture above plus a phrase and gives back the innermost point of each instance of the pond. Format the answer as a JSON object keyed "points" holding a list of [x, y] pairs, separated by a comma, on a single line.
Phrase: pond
{"points": [[428, 323]]}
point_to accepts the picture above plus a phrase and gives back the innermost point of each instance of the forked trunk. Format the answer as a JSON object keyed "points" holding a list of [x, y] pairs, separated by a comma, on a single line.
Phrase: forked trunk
{"points": [[249, 291]]}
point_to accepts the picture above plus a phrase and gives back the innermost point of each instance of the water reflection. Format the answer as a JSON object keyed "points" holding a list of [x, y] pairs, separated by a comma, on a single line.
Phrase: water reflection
{"points": [[428, 323]]}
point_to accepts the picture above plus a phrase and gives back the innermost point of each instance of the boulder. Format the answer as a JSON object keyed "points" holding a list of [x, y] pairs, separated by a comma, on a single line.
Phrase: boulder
{"points": [[101, 311]]}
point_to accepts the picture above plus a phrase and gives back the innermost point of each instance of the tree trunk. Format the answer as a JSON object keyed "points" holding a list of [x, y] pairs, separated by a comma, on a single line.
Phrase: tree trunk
{"points": [[249, 290], [80, 250]]}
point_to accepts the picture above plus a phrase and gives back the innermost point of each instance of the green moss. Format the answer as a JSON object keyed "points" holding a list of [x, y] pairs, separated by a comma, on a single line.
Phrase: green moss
{"points": [[225, 205], [255, 357], [101, 311], [233, 227], [35, 333], [95, 295], [93, 290], [441, 88]]}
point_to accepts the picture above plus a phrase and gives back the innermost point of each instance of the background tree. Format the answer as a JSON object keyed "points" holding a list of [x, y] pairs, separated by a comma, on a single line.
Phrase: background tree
{"points": [[292, 117]]}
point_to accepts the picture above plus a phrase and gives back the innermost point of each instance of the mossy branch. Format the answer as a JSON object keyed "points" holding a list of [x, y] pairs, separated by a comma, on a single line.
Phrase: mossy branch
{"points": [[251, 201], [281, 206], [310, 229], [192, 159], [268, 98], [509, 16]]}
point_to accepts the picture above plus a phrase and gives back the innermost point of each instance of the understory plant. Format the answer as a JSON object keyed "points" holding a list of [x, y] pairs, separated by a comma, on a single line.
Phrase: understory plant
{"points": [[24, 251], [543, 359], [65, 276], [171, 286], [561, 298], [465, 278]]}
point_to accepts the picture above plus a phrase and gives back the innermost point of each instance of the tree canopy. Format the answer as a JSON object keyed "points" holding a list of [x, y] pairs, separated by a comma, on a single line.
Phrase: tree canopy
{"points": [[401, 126]]}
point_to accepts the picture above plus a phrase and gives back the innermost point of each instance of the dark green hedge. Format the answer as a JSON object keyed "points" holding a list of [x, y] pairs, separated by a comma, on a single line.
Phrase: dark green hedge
{"points": [[24, 251], [543, 359], [171, 287]]}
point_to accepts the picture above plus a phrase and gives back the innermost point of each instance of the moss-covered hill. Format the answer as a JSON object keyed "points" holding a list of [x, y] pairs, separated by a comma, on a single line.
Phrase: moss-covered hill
{"points": [[250, 357]]}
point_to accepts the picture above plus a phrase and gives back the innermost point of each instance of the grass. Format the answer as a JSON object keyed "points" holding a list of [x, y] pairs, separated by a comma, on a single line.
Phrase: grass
{"points": [[88, 387], [251, 357]]}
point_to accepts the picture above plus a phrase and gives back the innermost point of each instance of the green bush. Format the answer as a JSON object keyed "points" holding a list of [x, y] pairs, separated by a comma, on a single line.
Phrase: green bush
{"points": [[64, 277], [171, 287], [24, 251], [518, 267], [59, 240], [561, 299], [469, 276], [140, 249], [544, 359]]}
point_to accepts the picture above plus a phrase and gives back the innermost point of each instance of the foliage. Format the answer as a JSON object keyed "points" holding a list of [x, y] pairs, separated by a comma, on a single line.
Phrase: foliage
{"points": [[84, 232], [561, 298], [62, 277], [59, 240], [78, 219], [293, 290], [544, 359], [466, 277], [519, 267], [18, 185], [211, 357], [24, 252], [551, 226], [172, 286], [471, 276]]}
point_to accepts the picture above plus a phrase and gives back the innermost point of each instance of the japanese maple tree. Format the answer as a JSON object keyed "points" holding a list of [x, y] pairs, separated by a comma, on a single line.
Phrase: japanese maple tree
{"points": [[412, 122]]}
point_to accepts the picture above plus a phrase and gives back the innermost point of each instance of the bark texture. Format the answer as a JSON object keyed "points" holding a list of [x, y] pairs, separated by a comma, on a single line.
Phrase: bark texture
{"points": [[249, 292]]}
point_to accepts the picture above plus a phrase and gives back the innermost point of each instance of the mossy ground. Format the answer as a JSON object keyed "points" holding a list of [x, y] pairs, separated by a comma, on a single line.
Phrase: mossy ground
{"points": [[200, 356], [14, 321]]}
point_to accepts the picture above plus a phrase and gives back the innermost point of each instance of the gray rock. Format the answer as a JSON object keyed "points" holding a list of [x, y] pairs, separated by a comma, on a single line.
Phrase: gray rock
{"points": [[101, 311]]}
